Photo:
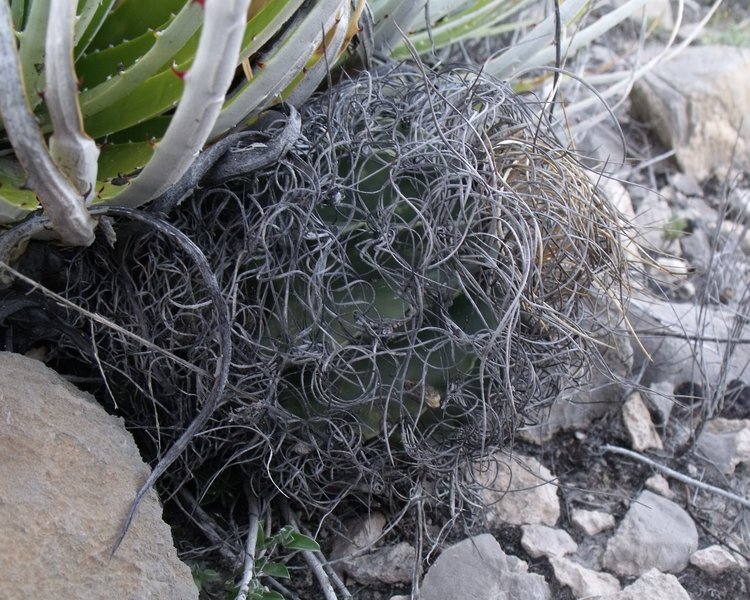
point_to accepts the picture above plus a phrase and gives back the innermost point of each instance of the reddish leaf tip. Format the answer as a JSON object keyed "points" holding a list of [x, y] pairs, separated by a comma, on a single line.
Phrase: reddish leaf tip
{"points": [[180, 74]]}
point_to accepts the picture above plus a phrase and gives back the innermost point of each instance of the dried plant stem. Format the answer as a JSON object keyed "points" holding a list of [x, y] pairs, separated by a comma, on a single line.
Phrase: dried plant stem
{"points": [[252, 538], [315, 564], [676, 474]]}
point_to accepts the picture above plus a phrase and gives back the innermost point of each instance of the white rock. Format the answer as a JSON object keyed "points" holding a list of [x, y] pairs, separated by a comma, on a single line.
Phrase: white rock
{"points": [[591, 522], [477, 568], [68, 474], [389, 564], [655, 533], [697, 102], [714, 560], [356, 558], [652, 585], [643, 435], [726, 443], [659, 485], [518, 491], [540, 540], [583, 582]]}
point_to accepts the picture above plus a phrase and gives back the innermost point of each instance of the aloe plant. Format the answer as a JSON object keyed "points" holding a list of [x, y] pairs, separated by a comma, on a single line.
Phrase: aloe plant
{"points": [[110, 102]]}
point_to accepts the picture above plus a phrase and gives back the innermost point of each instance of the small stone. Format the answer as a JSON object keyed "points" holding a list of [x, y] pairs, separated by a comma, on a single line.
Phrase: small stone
{"points": [[591, 522], [583, 582], [361, 534], [655, 533], [389, 564], [713, 560], [653, 584], [638, 422], [477, 568], [659, 485], [540, 540], [660, 396], [687, 184], [518, 491], [726, 443]]}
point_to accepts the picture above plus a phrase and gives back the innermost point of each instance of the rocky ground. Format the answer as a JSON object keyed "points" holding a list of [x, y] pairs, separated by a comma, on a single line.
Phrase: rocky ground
{"points": [[637, 488]]}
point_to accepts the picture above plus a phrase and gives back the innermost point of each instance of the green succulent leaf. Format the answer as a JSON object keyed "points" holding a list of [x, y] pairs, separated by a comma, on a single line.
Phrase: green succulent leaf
{"points": [[132, 18]]}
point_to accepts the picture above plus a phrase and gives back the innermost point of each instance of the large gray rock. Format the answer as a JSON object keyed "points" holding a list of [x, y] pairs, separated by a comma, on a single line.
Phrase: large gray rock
{"points": [[684, 342], [68, 473], [697, 103], [477, 568], [518, 491], [655, 533]]}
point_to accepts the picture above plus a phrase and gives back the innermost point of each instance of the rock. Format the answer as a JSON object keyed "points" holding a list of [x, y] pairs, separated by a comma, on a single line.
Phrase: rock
{"points": [[725, 443], [635, 415], [655, 533], [477, 568], [669, 275], [389, 564], [739, 203], [361, 534], [540, 540], [696, 247], [696, 103], [518, 491], [355, 558], [651, 219], [685, 184], [651, 585], [591, 522], [660, 397], [583, 582], [713, 560], [682, 339], [595, 392], [67, 477], [659, 485]]}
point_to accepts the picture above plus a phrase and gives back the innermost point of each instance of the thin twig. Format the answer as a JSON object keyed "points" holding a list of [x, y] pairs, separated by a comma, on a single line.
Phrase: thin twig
{"points": [[252, 538], [315, 564], [676, 474]]}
